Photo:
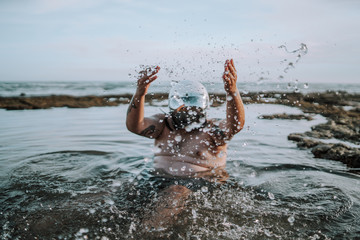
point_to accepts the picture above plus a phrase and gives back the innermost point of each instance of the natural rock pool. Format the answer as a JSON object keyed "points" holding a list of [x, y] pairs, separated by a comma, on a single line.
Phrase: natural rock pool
{"points": [[79, 174]]}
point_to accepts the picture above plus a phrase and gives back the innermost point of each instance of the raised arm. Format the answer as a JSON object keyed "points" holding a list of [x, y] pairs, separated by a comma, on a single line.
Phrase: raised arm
{"points": [[235, 112], [135, 121]]}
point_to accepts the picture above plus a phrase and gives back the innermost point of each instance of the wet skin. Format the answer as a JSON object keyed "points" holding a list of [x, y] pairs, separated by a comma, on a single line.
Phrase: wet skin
{"points": [[180, 152], [200, 152]]}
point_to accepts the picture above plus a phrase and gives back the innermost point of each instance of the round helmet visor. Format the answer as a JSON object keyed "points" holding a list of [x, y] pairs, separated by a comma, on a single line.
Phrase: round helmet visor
{"points": [[188, 94]]}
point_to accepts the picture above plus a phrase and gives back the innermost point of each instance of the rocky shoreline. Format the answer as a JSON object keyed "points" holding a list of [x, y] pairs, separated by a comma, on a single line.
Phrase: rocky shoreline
{"points": [[341, 109]]}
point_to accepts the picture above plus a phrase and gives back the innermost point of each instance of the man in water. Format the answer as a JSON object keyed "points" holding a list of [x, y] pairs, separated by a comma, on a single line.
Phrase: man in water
{"points": [[187, 142], [189, 145]]}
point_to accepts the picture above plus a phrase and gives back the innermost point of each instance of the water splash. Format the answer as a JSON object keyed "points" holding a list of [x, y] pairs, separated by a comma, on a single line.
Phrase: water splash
{"points": [[143, 70], [300, 52]]}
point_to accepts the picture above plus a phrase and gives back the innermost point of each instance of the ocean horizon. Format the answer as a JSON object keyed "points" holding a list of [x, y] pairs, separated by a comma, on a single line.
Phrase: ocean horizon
{"points": [[100, 88]]}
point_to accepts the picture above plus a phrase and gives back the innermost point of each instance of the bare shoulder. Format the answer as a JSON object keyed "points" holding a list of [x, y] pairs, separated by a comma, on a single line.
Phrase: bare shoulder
{"points": [[153, 126]]}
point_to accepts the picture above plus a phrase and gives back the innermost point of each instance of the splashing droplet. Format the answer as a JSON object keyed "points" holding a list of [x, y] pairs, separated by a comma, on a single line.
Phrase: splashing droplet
{"points": [[271, 195], [291, 220], [194, 213], [204, 189]]}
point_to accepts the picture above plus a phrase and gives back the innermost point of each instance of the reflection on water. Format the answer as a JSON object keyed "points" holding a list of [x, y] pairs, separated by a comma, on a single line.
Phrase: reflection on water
{"points": [[77, 173]]}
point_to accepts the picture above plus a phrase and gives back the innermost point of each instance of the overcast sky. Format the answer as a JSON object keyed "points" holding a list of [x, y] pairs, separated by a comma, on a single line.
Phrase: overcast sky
{"points": [[88, 40]]}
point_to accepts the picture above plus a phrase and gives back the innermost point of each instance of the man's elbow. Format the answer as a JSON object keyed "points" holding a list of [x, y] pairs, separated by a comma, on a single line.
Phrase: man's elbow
{"points": [[242, 124], [131, 127]]}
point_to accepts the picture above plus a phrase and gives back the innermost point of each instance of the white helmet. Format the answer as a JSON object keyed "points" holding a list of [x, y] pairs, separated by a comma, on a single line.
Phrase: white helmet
{"points": [[189, 94]]}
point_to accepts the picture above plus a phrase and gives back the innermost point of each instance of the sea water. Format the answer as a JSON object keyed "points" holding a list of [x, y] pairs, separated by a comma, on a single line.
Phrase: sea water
{"points": [[14, 89], [79, 174]]}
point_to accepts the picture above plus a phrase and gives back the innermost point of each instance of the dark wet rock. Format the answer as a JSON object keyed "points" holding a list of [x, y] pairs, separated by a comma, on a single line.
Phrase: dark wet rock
{"points": [[340, 98], [343, 125], [297, 137], [303, 141], [340, 152], [325, 134], [20, 103], [308, 143], [343, 130], [356, 110], [286, 116]]}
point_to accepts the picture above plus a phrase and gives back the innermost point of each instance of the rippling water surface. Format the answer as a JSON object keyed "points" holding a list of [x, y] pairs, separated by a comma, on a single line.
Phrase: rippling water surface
{"points": [[78, 173]]}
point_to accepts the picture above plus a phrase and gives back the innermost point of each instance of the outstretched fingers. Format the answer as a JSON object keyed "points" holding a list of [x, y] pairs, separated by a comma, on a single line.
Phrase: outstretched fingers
{"points": [[232, 64], [151, 79], [232, 69], [152, 76], [230, 76], [153, 72], [147, 79]]}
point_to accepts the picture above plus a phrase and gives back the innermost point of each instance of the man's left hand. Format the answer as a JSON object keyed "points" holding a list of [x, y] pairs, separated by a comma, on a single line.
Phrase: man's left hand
{"points": [[230, 77]]}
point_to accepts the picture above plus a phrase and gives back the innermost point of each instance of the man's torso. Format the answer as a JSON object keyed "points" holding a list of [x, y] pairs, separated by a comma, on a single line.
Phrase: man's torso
{"points": [[179, 152]]}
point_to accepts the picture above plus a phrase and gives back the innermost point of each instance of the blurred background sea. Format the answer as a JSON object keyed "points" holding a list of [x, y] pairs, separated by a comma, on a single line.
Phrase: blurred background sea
{"points": [[99, 88]]}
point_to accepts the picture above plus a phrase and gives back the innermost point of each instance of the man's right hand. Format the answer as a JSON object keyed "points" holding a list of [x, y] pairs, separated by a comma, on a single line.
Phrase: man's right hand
{"points": [[144, 82]]}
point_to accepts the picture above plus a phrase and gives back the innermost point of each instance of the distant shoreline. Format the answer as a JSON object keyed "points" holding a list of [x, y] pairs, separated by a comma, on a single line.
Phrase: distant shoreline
{"points": [[340, 98], [341, 109]]}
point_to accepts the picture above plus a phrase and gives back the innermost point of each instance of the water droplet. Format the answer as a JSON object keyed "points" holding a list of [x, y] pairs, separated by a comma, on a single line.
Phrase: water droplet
{"points": [[291, 220], [82, 231], [204, 189], [109, 201], [271, 195], [267, 233], [194, 213], [132, 227], [306, 85], [156, 150], [178, 138]]}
